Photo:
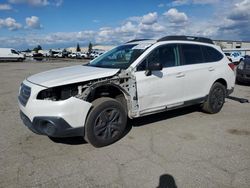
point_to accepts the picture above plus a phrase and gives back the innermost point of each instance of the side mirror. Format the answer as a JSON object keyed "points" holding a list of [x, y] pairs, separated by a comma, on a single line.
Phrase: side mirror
{"points": [[153, 66]]}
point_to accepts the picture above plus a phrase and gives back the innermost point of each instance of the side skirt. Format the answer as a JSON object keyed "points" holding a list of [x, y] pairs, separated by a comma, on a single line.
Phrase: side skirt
{"points": [[182, 104]]}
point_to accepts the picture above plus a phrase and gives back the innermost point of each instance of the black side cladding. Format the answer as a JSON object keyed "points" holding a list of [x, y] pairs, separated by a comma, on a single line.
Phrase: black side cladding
{"points": [[51, 126]]}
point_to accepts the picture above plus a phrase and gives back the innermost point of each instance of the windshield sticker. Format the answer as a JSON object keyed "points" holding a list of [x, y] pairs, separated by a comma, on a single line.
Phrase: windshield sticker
{"points": [[141, 46]]}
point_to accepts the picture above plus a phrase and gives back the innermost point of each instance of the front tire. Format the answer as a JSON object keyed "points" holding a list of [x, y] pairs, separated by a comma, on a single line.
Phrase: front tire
{"points": [[215, 99], [106, 122]]}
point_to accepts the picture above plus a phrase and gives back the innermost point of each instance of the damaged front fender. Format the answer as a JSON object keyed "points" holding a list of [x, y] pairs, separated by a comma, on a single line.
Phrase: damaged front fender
{"points": [[123, 80]]}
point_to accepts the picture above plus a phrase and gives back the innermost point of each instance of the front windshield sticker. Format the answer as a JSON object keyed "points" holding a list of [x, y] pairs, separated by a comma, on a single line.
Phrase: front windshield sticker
{"points": [[141, 46]]}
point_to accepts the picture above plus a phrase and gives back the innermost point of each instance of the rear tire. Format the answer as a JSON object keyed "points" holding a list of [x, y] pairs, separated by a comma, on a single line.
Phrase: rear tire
{"points": [[215, 99], [106, 122]]}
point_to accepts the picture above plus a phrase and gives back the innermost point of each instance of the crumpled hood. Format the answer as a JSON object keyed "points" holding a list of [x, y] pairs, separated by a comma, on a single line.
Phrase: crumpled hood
{"points": [[68, 75]]}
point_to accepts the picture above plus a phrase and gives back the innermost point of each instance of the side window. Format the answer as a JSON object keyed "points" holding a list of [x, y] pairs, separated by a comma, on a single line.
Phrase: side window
{"points": [[166, 55], [14, 52], [210, 54], [191, 54]]}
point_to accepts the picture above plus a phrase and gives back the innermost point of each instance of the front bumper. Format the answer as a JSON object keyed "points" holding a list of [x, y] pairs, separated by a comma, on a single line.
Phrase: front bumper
{"points": [[62, 118], [51, 126]]}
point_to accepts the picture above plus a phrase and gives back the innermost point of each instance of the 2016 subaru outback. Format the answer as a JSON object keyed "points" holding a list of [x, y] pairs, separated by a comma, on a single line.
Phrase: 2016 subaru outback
{"points": [[135, 79]]}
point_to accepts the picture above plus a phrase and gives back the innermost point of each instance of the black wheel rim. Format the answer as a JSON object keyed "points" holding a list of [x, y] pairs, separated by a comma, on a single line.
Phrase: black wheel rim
{"points": [[217, 98], [107, 124]]}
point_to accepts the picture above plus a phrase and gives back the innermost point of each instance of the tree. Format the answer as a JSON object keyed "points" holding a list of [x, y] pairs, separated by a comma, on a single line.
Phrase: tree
{"points": [[90, 48], [39, 47], [36, 49], [78, 49]]}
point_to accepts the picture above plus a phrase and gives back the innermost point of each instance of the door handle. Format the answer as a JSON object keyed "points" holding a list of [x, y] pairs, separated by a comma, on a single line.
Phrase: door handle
{"points": [[211, 68], [180, 75]]}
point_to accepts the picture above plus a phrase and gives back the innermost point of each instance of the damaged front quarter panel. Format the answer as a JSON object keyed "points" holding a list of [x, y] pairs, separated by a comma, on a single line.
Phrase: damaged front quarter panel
{"points": [[124, 80]]}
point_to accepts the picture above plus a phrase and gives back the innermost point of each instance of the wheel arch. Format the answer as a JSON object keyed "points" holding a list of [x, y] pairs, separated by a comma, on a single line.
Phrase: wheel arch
{"points": [[109, 90], [219, 80], [222, 81]]}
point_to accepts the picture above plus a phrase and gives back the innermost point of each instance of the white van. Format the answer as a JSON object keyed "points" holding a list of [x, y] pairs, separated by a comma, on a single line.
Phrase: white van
{"points": [[9, 54]]}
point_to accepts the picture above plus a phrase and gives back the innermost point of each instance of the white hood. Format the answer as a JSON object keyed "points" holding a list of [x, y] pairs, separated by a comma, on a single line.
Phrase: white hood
{"points": [[69, 75]]}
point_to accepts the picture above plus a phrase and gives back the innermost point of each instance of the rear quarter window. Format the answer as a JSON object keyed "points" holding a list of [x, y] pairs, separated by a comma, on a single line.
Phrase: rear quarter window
{"points": [[210, 54]]}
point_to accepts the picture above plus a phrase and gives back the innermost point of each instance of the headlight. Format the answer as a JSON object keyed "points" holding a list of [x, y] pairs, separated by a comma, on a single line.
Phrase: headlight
{"points": [[58, 93], [47, 94], [241, 65]]}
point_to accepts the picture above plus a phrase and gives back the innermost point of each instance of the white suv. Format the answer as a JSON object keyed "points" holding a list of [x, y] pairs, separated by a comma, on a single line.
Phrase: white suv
{"points": [[135, 79], [234, 57]]}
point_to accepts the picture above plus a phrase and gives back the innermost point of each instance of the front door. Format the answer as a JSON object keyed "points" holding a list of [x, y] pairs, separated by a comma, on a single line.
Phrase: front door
{"points": [[162, 88]]}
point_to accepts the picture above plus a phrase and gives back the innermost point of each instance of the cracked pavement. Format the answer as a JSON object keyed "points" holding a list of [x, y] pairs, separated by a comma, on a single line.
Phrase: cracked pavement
{"points": [[181, 148]]}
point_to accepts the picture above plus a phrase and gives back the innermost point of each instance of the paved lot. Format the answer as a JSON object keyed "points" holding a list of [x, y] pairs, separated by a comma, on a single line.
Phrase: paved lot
{"points": [[183, 148]]}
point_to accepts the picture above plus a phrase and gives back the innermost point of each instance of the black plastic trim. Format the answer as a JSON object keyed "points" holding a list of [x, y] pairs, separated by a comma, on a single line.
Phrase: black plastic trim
{"points": [[186, 38], [51, 126], [184, 104], [137, 40]]}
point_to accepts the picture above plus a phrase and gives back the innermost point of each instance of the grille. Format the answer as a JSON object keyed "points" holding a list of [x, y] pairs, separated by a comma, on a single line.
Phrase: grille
{"points": [[24, 94]]}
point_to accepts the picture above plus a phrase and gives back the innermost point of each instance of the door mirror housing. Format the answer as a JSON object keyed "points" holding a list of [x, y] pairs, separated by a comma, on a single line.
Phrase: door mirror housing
{"points": [[153, 66]]}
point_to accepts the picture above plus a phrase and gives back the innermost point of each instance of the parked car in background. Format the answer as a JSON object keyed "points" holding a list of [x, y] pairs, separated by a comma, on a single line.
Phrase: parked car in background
{"points": [[9, 54], [78, 55], [243, 70], [234, 57], [84, 55], [38, 56], [57, 55], [72, 55], [65, 53], [95, 54]]}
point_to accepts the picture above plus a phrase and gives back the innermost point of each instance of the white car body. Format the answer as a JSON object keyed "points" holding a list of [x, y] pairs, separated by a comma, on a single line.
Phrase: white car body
{"points": [[58, 55], [84, 55], [191, 84], [9, 54], [234, 57], [72, 74], [169, 88], [72, 55]]}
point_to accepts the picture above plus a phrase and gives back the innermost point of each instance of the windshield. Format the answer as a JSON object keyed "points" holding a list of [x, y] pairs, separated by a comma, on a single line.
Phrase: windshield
{"points": [[120, 57], [14, 51]]}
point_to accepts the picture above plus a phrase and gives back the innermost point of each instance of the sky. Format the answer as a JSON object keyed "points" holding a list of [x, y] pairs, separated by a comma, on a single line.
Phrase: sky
{"points": [[64, 23]]}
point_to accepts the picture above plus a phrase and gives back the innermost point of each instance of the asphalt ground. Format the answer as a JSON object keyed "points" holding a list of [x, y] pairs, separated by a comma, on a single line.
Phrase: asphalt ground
{"points": [[184, 148]]}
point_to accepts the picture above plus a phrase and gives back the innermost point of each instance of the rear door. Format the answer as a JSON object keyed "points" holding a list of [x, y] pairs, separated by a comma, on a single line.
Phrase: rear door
{"points": [[199, 68]]}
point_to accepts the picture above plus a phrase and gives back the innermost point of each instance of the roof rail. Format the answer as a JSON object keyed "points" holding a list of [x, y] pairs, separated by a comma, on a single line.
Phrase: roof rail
{"points": [[186, 38], [137, 40]]}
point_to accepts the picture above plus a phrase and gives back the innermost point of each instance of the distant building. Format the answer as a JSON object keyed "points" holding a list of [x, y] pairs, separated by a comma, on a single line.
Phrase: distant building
{"points": [[232, 45]]}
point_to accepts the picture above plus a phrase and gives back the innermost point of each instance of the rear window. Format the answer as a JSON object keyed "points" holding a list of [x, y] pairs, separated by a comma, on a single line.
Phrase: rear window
{"points": [[210, 54]]}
